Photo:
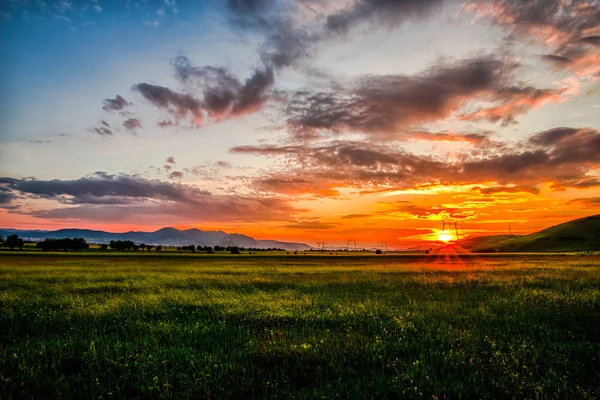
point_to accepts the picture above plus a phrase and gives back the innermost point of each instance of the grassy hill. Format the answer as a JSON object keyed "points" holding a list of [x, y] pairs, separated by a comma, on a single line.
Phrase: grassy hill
{"points": [[578, 235]]}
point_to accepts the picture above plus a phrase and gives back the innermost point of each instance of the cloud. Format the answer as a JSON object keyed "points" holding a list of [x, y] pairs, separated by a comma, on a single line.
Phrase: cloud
{"points": [[223, 93], [388, 13], [176, 175], [514, 101], [127, 198], [356, 216], [287, 40], [178, 104], [310, 225], [214, 93], [570, 27], [569, 145], [292, 184], [593, 40], [170, 160], [132, 124], [553, 22], [6, 195], [102, 185], [116, 104], [166, 123], [563, 157], [471, 138], [405, 209], [102, 131], [586, 202], [388, 104], [507, 189]]}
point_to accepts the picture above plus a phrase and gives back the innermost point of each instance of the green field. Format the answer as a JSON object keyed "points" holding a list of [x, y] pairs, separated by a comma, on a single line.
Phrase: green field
{"points": [[183, 326]]}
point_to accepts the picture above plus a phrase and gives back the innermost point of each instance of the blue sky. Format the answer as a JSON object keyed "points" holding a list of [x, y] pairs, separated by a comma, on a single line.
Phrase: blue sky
{"points": [[318, 109]]}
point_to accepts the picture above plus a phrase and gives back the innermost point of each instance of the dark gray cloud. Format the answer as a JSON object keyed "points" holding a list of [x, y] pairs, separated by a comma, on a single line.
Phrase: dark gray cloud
{"points": [[124, 198], [102, 186], [116, 104], [557, 60], [593, 40], [569, 145], [132, 124], [389, 105], [383, 104], [251, 7], [223, 93], [286, 42], [6, 195], [166, 123], [218, 94], [176, 175], [388, 13], [178, 104], [102, 131]]}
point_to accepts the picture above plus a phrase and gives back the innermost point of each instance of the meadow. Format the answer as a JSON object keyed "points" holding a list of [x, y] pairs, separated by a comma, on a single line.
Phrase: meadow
{"points": [[285, 326]]}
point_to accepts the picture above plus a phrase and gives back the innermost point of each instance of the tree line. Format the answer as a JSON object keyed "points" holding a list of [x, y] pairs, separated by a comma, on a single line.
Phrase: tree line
{"points": [[75, 244], [66, 244], [12, 241]]}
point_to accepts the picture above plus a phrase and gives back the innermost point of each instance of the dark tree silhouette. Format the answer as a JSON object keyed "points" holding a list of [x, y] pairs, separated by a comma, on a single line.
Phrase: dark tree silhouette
{"points": [[13, 241], [65, 244], [104, 246], [121, 244]]}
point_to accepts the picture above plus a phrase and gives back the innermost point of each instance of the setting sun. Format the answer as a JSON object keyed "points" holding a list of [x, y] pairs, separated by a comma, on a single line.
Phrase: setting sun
{"points": [[444, 236]]}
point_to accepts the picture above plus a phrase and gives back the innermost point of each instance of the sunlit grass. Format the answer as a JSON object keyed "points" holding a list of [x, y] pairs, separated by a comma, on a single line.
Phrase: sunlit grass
{"points": [[300, 327]]}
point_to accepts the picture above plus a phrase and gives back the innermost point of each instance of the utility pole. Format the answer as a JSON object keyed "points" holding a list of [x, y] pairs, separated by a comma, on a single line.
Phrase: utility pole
{"points": [[456, 231], [350, 242]]}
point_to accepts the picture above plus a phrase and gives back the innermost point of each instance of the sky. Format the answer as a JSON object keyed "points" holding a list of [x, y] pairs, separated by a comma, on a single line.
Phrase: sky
{"points": [[307, 120]]}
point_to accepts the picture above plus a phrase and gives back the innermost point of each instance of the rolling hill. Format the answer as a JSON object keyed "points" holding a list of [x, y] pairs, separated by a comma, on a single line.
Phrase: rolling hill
{"points": [[578, 235], [164, 236]]}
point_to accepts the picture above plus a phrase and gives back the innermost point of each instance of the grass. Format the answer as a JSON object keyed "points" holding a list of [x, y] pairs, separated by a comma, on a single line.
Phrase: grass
{"points": [[98, 326]]}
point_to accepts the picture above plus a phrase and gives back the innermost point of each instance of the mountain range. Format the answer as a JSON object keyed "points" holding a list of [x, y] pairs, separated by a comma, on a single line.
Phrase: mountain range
{"points": [[164, 236]]}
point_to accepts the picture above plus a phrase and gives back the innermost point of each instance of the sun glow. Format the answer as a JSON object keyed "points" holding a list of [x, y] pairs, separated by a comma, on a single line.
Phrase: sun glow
{"points": [[444, 236]]}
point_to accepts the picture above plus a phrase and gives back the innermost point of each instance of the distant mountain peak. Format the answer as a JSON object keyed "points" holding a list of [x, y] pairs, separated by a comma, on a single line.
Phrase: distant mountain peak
{"points": [[167, 236]]}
